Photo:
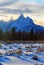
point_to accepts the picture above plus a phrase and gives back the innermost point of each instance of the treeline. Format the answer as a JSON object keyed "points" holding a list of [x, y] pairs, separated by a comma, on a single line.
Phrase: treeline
{"points": [[13, 35]]}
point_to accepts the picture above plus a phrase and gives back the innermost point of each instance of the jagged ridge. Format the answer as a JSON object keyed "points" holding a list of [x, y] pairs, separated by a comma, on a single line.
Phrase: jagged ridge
{"points": [[22, 24]]}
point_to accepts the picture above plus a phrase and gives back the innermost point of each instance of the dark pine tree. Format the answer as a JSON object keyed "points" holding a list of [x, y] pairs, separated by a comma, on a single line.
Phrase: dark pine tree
{"points": [[13, 33], [19, 35], [1, 34], [31, 34]]}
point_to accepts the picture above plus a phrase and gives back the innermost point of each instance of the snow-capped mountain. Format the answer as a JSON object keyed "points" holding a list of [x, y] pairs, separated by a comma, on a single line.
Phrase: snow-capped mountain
{"points": [[22, 24]]}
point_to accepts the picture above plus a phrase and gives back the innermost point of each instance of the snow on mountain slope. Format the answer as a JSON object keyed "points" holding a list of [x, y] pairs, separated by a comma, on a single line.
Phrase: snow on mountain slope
{"points": [[22, 24]]}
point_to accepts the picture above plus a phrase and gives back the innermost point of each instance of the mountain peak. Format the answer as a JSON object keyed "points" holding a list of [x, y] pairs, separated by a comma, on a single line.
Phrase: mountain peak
{"points": [[30, 20], [21, 16], [11, 20], [22, 24]]}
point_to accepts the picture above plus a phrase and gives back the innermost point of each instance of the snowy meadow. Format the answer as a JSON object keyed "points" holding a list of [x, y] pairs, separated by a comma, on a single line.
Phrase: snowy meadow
{"points": [[20, 53]]}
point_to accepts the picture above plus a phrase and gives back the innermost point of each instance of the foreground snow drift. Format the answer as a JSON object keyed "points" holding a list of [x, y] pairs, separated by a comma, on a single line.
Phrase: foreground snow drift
{"points": [[21, 54]]}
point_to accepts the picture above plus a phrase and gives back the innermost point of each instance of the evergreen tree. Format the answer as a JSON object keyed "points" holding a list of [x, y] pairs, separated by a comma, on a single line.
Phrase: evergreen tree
{"points": [[1, 34], [31, 34], [13, 33], [7, 35]]}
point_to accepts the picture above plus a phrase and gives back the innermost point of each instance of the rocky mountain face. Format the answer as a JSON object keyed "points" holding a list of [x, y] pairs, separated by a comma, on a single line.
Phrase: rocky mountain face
{"points": [[22, 24]]}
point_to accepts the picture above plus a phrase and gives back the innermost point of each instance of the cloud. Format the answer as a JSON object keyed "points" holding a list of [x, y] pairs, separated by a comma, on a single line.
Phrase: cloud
{"points": [[32, 9], [15, 11], [22, 6], [7, 2], [3, 15]]}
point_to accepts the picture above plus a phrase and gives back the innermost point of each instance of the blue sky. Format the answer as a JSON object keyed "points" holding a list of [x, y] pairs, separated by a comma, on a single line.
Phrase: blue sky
{"points": [[36, 1], [31, 8]]}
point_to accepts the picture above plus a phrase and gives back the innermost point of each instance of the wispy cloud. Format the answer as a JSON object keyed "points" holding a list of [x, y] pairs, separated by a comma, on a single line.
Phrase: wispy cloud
{"points": [[15, 11], [11, 7], [7, 2], [3, 15], [22, 9], [22, 6]]}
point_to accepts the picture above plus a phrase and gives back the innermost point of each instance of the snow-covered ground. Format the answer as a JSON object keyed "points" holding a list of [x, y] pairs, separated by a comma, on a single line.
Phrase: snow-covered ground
{"points": [[25, 58]]}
